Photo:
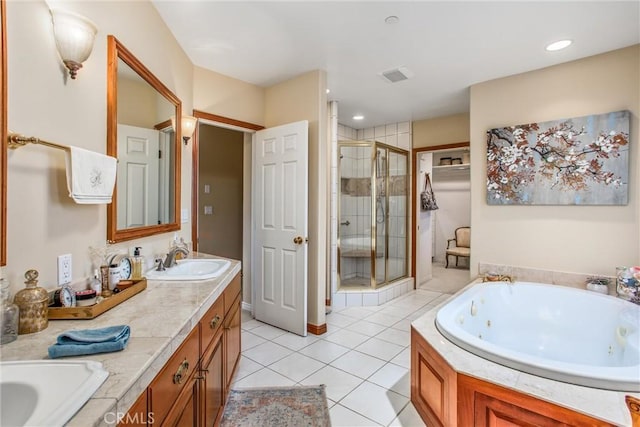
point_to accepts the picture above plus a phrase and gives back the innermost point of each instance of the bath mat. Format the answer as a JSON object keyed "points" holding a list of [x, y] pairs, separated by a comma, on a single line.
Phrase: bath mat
{"points": [[277, 407]]}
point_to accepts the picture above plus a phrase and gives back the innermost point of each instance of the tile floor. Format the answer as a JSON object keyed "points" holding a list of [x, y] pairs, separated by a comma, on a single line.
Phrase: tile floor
{"points": [[363, 359]]}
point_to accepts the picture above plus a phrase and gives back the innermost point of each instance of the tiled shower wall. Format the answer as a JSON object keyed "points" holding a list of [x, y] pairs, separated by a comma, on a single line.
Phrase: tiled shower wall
{"points": [[394, 134]]}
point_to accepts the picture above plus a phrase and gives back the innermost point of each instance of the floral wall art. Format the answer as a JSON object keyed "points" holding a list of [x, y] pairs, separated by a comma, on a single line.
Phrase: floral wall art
{"points": [[578, 161]]}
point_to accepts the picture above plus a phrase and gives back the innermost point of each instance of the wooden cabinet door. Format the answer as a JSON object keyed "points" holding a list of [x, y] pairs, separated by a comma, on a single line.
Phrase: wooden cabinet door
{"points": [[137, 416], [433, 385], [184, 412], [213, 390], [483, 404], [232, 334]]}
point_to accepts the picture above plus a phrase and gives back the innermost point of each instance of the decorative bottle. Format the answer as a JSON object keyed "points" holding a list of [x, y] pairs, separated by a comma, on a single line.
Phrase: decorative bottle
{"points": [[10, 314], [33, 303], [104, 280], [96, 283]]}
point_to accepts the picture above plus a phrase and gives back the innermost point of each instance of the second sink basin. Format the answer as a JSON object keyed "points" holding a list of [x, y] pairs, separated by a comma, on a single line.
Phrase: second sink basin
{"points": [[46, 392], [191, 269]]}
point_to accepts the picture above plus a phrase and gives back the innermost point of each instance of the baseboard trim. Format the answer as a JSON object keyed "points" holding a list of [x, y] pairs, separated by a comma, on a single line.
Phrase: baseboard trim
{"points": [[317, 329], [246, 306]]}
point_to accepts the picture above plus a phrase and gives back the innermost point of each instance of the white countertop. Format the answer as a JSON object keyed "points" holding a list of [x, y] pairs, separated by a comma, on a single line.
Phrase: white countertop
{"points": [[160, 318], [602, 404]]}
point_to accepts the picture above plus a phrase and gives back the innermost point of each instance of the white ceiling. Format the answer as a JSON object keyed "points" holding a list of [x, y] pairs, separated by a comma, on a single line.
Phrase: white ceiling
{"points": [[448, 45]]}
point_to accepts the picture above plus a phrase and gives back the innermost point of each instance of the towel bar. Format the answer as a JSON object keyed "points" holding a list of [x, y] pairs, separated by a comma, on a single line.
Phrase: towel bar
{"points": [[16, 140]]}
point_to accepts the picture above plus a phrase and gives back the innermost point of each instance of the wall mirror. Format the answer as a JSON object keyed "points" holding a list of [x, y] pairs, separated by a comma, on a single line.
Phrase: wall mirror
{"points": [[3, 135], [140, 134]]}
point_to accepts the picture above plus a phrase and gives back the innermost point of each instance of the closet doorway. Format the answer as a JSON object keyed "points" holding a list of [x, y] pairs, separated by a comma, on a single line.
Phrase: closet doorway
{"points": [[448, 168], [220, 178], [214, 176]]}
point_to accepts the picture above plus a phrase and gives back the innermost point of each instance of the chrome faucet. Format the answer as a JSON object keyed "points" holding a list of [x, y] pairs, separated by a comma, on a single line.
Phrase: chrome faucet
{"points": [[170, 260]]}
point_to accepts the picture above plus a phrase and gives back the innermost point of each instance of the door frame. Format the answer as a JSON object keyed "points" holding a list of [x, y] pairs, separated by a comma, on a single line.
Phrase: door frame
{"points": [[225, 122], [414, 196]]}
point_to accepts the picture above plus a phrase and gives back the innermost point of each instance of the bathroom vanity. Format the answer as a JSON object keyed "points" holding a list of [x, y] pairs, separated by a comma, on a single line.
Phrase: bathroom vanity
{"points": [[179, 362], [452, 387]]}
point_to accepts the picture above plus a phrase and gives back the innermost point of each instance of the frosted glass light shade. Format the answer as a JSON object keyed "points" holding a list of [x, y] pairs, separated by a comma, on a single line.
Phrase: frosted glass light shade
{"points": [[188, 126], [74, 36]]}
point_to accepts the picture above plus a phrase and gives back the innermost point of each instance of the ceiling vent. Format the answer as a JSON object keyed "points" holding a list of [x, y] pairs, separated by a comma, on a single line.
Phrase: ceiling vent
{"points": [[397, 75]]}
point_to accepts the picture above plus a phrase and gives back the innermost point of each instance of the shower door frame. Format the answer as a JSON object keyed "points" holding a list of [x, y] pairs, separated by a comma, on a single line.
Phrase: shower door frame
{"points": [[374, 145]]}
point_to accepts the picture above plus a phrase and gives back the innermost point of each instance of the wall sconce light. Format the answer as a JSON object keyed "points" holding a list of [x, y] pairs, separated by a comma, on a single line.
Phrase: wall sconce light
{"points": [[74, 36], [187, 127]]}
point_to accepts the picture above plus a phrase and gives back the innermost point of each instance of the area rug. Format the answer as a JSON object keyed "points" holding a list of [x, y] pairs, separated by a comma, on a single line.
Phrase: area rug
{"points": [[301, 406]]}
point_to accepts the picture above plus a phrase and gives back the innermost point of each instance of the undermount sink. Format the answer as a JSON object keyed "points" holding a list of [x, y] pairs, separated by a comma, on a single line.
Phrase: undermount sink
{"points": [[191, 269], [46, 392]]}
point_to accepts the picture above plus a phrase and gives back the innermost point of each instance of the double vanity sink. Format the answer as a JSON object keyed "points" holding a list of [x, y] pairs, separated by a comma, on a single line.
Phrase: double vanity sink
{"points": [[44, 392]]}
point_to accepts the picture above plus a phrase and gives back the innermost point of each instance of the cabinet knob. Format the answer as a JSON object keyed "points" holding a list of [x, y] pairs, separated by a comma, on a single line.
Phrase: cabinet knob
{"points": [[214, 322], [181, 373]]}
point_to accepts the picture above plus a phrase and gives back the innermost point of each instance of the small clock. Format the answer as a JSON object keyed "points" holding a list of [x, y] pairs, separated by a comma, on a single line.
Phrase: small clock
{"points": [[125, 268], [124, 265], [65, 297]]}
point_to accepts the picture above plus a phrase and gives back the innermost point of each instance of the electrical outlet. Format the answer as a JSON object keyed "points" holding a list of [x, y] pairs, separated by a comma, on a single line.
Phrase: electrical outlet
{"points": [[64, 269]]}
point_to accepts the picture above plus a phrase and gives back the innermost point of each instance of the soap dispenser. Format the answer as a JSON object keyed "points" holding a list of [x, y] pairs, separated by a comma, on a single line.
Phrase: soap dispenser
{"points": [[33, 303], [136, 264]]}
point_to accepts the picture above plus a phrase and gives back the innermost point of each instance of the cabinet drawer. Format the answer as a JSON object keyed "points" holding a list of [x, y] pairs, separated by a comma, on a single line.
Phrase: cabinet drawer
{"points": [[167, 385], [231, 292], [212, 322]]}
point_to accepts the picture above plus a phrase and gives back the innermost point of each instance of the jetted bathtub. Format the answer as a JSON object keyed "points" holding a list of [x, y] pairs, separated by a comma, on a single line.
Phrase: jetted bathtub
{"points": [[556, 332]]}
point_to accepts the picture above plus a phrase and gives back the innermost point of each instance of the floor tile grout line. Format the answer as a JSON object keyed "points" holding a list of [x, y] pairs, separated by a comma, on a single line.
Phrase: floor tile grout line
{"points": [[416, 302]]}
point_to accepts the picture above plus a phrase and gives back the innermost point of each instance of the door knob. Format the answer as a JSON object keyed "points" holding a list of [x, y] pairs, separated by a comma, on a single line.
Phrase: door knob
{"points": [[298, 240]]}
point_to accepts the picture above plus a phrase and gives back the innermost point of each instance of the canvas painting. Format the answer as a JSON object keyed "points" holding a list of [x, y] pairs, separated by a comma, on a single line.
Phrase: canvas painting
{"points": [[578, 161]]}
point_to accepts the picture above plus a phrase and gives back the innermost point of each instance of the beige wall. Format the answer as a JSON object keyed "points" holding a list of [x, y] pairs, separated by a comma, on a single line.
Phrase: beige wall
{"points": [[220, 167], [583, 239], [441, 130], [304, 98], [137, 104], [44, 103], [225, 96], [43, 222]]}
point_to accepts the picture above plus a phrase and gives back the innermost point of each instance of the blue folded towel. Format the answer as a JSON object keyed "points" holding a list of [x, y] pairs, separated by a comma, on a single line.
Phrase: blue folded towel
{"points": [[90, 341]]}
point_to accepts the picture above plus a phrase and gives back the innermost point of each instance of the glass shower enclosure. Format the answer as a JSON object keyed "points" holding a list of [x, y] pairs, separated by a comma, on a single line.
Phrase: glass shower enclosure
{"points": [[373, 213]]}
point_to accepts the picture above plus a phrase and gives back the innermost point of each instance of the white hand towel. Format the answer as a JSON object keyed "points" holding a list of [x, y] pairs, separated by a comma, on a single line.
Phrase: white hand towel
{"points": [[90, 176]]}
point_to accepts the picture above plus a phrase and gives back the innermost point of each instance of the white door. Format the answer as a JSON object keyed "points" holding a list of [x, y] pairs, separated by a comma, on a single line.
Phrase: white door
{"points": [[280, 196], [137, 176]]}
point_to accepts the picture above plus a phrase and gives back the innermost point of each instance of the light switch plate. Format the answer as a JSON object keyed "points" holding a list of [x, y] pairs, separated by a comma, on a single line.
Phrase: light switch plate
{"points": [[184, 215]]}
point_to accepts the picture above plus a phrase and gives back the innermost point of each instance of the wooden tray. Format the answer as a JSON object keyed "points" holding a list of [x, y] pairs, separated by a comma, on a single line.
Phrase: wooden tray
{"points": [[95, 310]]}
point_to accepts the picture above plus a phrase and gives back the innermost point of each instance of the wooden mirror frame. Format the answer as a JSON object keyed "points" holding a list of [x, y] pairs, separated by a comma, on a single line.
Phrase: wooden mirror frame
{"points": [[3, 134], [115, 51]]}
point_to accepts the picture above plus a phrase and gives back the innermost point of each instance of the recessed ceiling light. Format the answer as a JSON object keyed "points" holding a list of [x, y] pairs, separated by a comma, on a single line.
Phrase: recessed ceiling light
{"points": [[392, 19], [561, 44], [328, 90], [358, 117]]}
